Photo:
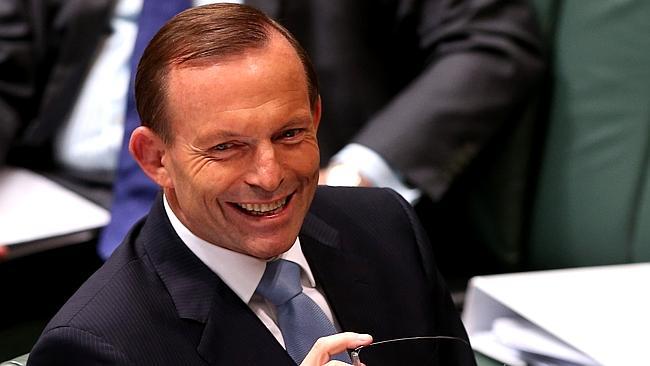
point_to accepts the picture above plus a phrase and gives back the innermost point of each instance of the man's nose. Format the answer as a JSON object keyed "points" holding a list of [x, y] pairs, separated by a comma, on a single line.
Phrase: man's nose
{"points": [[266, 171]]}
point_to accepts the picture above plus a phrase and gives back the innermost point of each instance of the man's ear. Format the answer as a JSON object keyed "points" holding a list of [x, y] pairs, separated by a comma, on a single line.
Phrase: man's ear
{"points": [[148, 150]]}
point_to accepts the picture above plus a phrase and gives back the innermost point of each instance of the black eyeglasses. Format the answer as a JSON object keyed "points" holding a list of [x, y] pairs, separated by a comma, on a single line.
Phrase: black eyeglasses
{"points": [[427, 350]]}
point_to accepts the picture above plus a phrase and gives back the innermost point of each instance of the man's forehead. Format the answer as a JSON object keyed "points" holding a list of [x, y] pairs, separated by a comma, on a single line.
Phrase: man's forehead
{"points": [[277, 60], [275, 43]]}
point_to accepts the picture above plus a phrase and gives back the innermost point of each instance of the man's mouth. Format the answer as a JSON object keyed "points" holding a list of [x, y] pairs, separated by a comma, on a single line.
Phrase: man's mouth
{"points": [[263, 209]]}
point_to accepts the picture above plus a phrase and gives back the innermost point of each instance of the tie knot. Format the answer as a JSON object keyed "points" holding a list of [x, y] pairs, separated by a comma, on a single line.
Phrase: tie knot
{"points": [[280, 282]]}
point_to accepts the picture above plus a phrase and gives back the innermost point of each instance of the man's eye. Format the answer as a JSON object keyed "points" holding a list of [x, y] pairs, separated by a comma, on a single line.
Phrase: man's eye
{"points": [[223, 147], [291, 133]]}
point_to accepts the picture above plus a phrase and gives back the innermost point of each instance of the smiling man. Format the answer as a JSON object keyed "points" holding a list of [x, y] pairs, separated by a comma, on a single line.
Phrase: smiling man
{"points": [[230, 110], [240, 167]]}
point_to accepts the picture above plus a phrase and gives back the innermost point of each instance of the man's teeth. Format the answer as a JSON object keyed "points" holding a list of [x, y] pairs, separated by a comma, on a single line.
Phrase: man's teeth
{"points": [[262, 208]]}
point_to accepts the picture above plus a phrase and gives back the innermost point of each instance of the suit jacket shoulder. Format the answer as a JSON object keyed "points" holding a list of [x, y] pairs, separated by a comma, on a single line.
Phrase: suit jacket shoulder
{"points": [[373, 261], [367, 247]]}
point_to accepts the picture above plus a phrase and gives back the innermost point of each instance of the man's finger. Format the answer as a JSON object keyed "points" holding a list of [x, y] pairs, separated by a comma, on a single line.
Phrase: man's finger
{"points": [[325, 347]]}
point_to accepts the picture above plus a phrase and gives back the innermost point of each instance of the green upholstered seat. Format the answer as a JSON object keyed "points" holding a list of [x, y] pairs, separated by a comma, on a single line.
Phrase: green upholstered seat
{"points": [[592, 204]]}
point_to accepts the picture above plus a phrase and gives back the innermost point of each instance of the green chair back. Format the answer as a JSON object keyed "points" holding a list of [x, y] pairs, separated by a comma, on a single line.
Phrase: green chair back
{"points": [[592, 204]]}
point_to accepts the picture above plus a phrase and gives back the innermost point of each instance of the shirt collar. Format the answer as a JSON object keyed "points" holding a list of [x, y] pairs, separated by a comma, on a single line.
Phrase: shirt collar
{"points": [[241, 272]]}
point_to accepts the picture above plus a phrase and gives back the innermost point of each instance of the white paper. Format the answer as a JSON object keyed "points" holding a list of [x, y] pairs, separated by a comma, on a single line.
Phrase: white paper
{"points": [[603, 312], [521, 335], [33, 207]]}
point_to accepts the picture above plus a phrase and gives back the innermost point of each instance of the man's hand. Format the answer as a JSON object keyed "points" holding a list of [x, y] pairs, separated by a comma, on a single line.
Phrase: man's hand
{"points": [[4, 252], [325, 347]]}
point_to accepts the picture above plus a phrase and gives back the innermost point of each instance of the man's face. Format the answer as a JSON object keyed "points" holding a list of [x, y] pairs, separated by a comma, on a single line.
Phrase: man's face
{"points": [[243, 164]]}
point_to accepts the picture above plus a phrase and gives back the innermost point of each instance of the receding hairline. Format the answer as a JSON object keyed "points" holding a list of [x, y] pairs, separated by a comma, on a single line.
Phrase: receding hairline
{"points": [[253, 57], [173, 52], [217, 59]]}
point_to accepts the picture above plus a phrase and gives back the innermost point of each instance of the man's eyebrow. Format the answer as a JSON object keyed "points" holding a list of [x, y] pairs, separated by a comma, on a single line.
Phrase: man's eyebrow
{"points": [[298, 120], [225, 134]]}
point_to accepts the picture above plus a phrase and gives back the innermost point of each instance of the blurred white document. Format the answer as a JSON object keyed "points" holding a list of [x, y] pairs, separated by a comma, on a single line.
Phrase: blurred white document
{"points": [[581, 316], [33, 208]]}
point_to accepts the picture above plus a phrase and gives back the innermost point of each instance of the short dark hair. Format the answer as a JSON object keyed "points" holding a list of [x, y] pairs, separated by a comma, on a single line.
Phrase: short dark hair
{"points": [[199, 36]]}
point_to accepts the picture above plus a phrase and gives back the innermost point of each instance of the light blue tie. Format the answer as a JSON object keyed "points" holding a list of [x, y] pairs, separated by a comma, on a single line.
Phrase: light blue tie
{"points": [[301, 321]]}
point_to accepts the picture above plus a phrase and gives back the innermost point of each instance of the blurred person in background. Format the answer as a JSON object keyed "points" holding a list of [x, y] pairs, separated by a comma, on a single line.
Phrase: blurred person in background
{"points": [[64, 72]]}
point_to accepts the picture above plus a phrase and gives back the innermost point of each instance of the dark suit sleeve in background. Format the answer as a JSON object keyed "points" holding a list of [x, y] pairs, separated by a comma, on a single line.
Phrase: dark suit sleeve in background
{"points": [[482, 59], [46, 50], [18, 54]]}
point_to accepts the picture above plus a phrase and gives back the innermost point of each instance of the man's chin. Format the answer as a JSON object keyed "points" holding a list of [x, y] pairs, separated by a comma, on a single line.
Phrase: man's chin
{"points": [[266, 251]]}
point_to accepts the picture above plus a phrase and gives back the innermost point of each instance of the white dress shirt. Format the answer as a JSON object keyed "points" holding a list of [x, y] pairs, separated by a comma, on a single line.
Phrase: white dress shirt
{"points": [[242, 273]]}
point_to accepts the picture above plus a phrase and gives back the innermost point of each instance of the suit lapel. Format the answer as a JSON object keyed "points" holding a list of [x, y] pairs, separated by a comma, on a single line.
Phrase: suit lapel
{"points": [[231, 333], [347, 278]]}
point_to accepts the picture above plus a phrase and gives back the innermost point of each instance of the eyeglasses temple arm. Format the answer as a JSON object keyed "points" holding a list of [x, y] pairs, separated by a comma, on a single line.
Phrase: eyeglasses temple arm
{"points": [[354, 356]]}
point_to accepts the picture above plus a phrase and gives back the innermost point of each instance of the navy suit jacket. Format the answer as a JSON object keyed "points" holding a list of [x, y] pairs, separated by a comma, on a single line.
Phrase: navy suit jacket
{"points": [[154, 302]]}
